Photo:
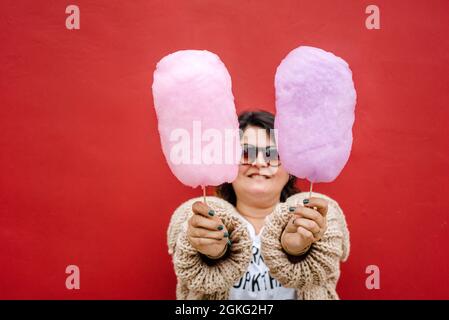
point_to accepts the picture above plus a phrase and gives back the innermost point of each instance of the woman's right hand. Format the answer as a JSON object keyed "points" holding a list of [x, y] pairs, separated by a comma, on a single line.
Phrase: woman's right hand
{"points": [[206, 232]]}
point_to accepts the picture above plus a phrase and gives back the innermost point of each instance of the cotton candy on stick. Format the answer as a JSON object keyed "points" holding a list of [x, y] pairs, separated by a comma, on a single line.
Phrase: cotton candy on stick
{"points": [[315, 103], [193, 98]]}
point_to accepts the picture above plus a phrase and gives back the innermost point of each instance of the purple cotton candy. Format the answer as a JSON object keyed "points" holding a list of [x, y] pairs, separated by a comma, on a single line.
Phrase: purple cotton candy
{"points": [[315, 103], [196, 112]]}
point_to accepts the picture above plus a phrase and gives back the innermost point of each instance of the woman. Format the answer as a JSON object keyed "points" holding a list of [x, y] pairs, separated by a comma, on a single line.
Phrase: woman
{"points": [[259, 238]]}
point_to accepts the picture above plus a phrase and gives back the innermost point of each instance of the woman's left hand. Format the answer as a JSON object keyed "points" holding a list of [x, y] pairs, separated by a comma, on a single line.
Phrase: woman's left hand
{"points": [[306, 227]]}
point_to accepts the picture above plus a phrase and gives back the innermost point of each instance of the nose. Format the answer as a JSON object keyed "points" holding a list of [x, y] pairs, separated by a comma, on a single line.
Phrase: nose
{"points": [[260, 161]]}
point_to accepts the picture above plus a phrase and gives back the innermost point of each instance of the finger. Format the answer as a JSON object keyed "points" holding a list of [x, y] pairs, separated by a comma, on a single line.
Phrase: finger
{"points": [[320, 204], [306, 234], [290, 227], [205, 233], [202, 209], [198, 221], [309, 213], [308, 224]]}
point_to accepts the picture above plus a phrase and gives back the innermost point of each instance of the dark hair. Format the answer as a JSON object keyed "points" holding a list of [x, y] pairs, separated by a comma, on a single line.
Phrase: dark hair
{"points": [[264, 120]]}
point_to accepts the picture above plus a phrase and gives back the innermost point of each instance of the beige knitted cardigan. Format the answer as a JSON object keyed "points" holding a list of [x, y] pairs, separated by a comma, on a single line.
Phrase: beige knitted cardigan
{"points": [[314, 275]]}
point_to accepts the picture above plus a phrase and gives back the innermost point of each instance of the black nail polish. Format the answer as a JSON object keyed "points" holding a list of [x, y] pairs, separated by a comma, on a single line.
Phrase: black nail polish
{"points": [[305, 201], [229, 242], [211, 212], [291, 209], [226, 234], [220, 227]]}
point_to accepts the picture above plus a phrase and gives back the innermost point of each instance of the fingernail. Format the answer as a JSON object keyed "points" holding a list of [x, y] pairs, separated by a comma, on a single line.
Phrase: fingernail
{"points": [[305, 201], [226, 234], [291, 209], [229, 242], [220, 227], [211, 212]]}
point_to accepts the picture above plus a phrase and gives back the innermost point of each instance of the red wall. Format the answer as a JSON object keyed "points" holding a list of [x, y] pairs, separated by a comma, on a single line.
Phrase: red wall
{"points": [[83, 180]]}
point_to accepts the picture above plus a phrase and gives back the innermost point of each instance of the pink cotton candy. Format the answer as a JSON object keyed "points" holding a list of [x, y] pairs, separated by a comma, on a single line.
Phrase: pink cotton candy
{"points": [[196, 116], [315, 103]]}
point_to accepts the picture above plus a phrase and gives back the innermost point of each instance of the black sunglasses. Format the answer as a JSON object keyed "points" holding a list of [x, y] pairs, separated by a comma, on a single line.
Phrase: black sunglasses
{"points": [[270, 154]]}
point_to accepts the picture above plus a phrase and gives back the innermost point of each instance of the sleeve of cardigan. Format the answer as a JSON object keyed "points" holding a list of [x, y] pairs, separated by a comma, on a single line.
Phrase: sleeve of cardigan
{"points": [[196, 271], [320, 266]]}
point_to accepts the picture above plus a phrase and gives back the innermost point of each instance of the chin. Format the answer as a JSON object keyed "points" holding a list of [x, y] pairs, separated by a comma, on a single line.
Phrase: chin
{"points": [[259, 189]]}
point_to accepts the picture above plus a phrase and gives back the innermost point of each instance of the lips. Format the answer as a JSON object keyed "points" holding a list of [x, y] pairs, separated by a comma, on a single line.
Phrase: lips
{"points": [[258, 176]]}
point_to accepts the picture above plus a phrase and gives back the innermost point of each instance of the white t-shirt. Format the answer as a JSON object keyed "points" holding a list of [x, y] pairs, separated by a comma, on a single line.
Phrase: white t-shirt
{"points": [[257, 283]]}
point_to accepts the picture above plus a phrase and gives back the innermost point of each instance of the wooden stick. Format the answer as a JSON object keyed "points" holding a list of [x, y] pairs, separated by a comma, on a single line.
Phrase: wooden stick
{"points": [[311, 187], [204, 194]]}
